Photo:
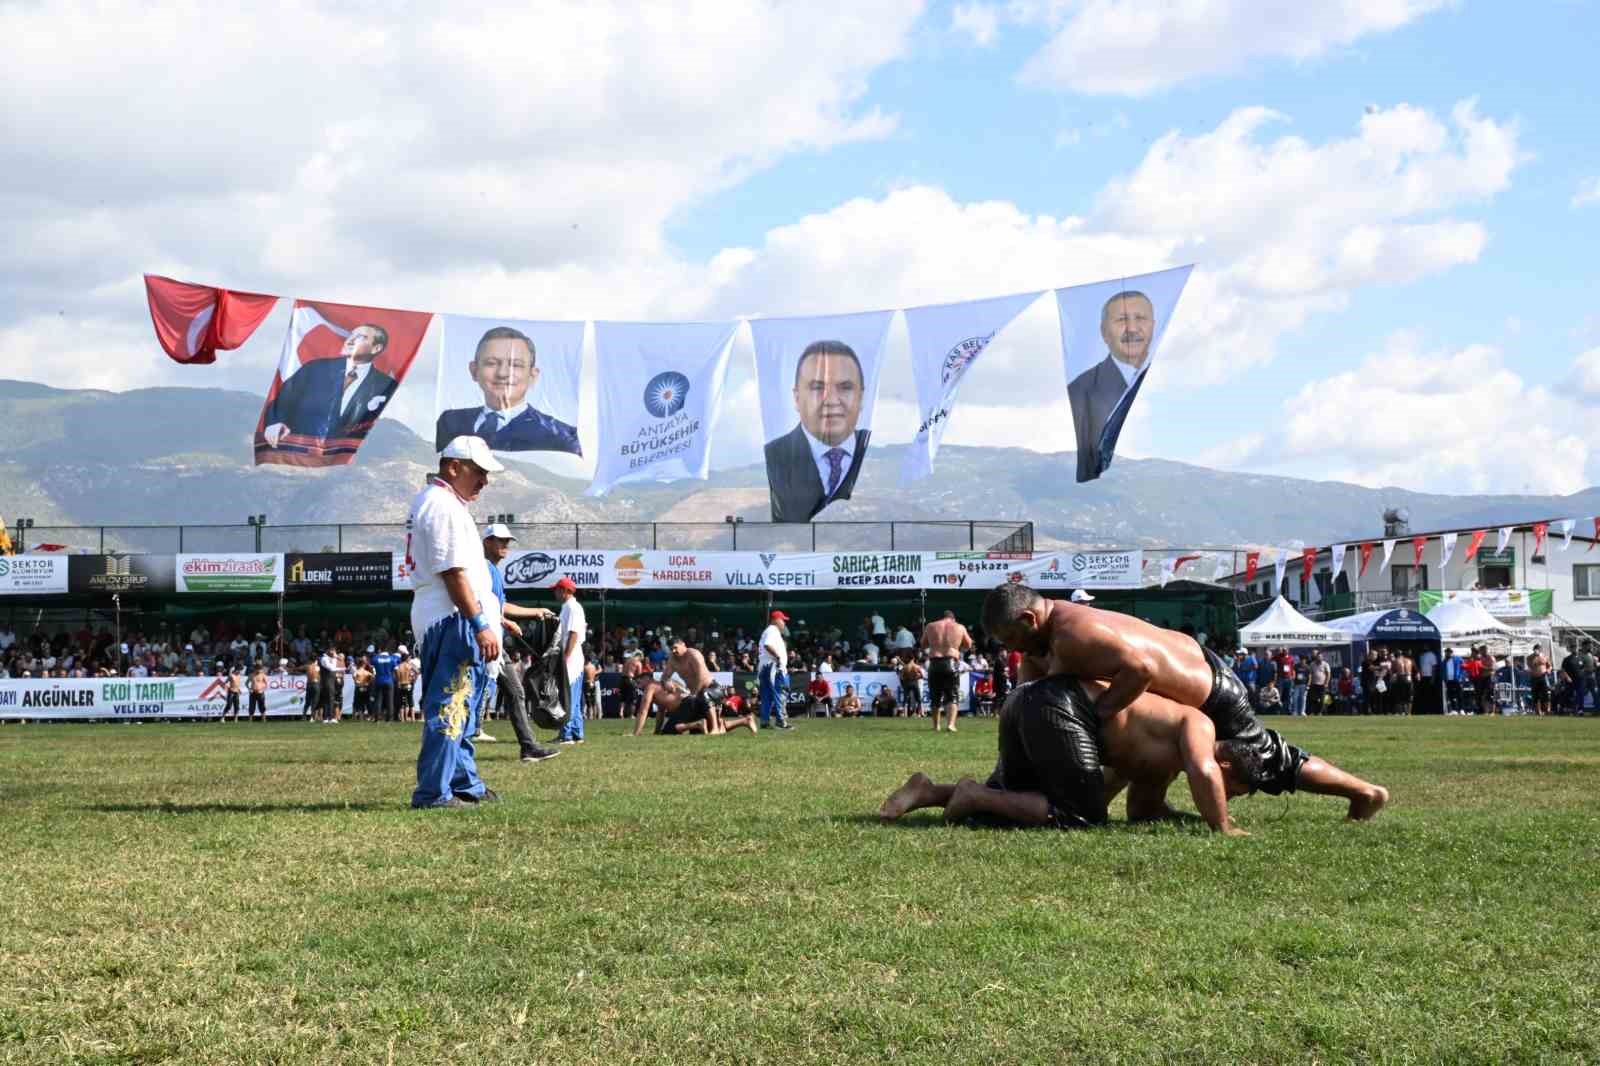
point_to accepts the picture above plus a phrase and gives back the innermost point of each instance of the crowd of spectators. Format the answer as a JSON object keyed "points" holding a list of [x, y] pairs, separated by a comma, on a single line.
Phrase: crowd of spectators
{"points": [[1402, 680]]}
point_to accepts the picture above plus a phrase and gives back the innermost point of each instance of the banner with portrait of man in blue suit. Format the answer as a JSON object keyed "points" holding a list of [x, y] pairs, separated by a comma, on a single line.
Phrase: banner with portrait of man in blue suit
{"points": [[818, 379], [1110, 331], [512, 382]]}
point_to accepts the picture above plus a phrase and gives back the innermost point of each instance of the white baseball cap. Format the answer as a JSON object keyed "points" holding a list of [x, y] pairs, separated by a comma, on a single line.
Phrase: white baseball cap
{"points": [[475, 451], [283, 662], [1080, 596], [402, 649], [371, 649], [497, 530]]}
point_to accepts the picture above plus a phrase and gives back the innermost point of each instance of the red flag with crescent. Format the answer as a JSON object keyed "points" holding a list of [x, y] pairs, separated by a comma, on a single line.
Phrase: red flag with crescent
{"points": [[1539, 530], [1417, 546], [193, 322], [1308, 559], [1251, 561], [1366, 556]]}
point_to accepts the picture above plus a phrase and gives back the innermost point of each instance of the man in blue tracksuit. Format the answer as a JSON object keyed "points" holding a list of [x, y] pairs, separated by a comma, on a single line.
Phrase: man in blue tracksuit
{"points": [[772, 670]]}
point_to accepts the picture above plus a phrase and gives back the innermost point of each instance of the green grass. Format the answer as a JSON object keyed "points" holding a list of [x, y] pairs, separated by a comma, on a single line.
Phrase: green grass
{"points": [[212, 893]]}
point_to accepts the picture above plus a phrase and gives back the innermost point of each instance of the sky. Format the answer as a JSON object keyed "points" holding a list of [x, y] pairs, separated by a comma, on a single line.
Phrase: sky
{"points": [[1392, 205]]}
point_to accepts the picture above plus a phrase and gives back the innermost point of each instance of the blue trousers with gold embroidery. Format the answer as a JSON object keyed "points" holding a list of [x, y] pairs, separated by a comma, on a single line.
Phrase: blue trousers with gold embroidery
{"points": [[454, 682]]}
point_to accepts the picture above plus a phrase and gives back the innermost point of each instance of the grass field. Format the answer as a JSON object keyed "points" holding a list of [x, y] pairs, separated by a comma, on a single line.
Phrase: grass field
{"points": [[216, 893]]}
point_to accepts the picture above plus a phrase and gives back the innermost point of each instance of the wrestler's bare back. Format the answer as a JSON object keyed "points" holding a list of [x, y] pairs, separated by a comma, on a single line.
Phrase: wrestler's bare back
{"points": [[1091, 643]]}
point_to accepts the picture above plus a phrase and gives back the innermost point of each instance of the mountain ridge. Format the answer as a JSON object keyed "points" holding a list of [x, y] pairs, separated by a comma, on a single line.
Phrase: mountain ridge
{"points": [[176, 455]]}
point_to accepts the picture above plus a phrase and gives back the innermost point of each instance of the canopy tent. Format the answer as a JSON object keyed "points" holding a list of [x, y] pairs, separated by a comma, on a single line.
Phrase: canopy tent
{"points": [[1282, 624], [1465, 621], [1396, 626]]}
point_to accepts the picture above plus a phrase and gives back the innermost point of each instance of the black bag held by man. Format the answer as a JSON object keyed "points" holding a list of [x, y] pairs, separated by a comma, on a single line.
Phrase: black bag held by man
{"points": [[543, 681]]}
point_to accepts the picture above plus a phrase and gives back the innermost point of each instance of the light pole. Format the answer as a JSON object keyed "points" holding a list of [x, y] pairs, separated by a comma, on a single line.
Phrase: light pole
{"points": [[256, 521], [22, 540]]}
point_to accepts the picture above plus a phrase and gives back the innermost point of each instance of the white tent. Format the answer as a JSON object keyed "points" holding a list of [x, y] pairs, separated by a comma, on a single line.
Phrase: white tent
{"points": [[1463, 621], [1282, 624]]}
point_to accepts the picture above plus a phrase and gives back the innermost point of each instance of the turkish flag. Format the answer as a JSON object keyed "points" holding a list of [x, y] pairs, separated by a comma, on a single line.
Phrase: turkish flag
{"points": [[339, 368], [1366, 554], [1596, 540], [1474, 544], [1308, 559], [1251, 561], [1417, 546], [1539, 530], [194, 321]]}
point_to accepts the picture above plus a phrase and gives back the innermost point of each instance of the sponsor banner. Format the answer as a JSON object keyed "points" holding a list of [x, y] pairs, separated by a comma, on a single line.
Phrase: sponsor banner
{"points": [[21, 575], [877, 569], [818, 383], [400, 572], [511, 382], [946, 340], [121, 574], [1501, 603], [307, 571], [541, 569], [1110, 331], [231, 573], [659, 399], [141, 697], [1086, 570]]}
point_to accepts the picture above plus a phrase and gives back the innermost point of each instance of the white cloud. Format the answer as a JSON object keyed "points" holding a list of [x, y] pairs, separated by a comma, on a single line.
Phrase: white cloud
{"points": [[1441, 420], [979, 21], [1135, 47], [1588, 194]]}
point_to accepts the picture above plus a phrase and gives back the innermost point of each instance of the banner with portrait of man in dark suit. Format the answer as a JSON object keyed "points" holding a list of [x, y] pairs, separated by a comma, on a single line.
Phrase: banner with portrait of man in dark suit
{"points": [[818, 379], [512, 382], [1110, 331], [339, 369]]}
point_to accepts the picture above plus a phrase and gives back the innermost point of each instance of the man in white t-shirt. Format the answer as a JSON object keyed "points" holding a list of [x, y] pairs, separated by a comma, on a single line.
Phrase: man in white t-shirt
{"points": [[772, 670], [456, 616], [571, 633]]}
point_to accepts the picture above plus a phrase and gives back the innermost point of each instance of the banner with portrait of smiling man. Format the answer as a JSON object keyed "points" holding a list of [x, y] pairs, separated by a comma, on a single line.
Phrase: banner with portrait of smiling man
{"points": [[818, 379], [513, 383], [660, 391], [1110, 331]]}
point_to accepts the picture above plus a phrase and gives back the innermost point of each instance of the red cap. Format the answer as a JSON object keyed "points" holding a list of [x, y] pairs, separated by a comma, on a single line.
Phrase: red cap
{"points": [[565, 583], [778, 616]]}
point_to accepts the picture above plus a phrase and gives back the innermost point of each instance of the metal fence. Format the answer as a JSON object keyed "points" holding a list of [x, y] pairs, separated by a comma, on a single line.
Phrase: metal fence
{"points": [[577, 536]]}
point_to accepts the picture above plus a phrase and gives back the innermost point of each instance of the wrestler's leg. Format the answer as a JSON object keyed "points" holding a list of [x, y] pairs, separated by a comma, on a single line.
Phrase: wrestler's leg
{"points": [[1326, 779], [1020, 808], [730, 724], [918, 791]]}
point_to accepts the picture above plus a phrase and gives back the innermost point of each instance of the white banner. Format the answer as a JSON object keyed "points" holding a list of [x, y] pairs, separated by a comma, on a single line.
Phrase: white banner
{"points": [[946, 340], [1502, 603], [511, 382], [22, 575], [660, 394], [780, 571], [230, 572], [818, 380], [1338, 561], [1502, 538], [1110, 331], [1280, 559], [1447, 547], [1388, 550], [135, 697]]}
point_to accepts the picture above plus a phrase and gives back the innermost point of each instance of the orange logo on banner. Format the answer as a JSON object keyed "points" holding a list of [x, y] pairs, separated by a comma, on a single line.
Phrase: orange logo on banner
{"points": [[630, 569]]}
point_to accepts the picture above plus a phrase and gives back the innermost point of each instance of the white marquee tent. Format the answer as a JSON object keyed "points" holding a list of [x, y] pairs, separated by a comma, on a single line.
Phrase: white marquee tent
{"points": [[1464, 621], [1282, 624]]}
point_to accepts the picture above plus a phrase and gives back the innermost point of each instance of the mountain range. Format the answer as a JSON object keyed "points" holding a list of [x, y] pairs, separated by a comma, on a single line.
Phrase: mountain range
{"points": [[182, 455]]}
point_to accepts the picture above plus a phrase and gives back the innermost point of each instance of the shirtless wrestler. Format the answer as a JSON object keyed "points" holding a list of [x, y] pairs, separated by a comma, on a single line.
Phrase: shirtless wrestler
{"points": [[944, 640]]}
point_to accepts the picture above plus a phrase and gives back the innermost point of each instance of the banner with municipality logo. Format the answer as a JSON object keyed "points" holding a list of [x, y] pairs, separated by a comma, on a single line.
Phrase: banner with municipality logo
{"points": [[946, 340], [61, 699], [22, 575], [660, 389], [231, 573]]}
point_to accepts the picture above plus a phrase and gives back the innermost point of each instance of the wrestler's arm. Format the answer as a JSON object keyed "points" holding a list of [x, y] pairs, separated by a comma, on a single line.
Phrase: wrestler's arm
{"points": [[1147, 799], [1100, 651], [516, 610], [1197, 740]]}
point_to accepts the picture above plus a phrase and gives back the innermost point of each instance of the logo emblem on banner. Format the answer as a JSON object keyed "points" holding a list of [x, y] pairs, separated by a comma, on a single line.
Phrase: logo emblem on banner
{"points": [[766, 559], [5, 566], [666, 394], [529, 569], [960, 357], [630, 569]]}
